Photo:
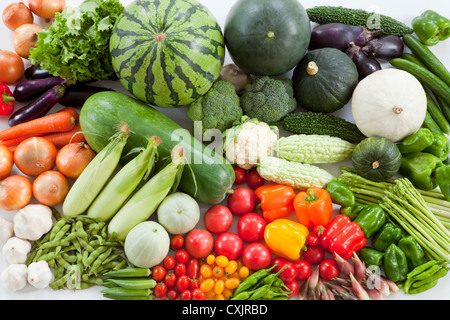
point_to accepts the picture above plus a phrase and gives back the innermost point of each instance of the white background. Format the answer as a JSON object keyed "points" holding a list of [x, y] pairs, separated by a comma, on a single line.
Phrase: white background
{"points": [[403, 10]]}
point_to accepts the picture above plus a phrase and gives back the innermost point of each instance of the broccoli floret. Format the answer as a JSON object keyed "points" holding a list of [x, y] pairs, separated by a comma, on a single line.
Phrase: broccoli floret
{"points": [[268, 100], [218, 108]]}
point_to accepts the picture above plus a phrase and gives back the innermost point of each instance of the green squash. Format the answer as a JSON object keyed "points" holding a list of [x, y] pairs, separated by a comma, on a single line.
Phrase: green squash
{"points": [[377, 159], [324, 80], [266, 37]]}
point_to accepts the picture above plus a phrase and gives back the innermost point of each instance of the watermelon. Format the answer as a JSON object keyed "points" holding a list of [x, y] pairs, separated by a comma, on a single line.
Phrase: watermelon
{"points": [[167, 53]]}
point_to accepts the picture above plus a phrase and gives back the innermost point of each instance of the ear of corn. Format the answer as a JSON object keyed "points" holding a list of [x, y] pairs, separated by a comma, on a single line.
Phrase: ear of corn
{"points": [[147, 199], [122, 185]]}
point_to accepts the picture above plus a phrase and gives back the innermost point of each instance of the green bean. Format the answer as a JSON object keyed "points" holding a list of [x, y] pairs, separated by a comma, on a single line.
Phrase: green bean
{"points": [[56, 213], [99, 260], [63, 263], [57, 227], [83, 243], [92, 279], [50, 255], [55, 243], [129, 272], [423, 288], [69, 258], [111, 258], [125, 292], [94, 254], [59, 283], [81, 233], [60, 234], [133, 283], [116, 297]]}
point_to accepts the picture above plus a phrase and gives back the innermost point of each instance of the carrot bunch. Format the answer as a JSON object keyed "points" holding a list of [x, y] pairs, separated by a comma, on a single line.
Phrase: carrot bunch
{"points": [[60, 128]]}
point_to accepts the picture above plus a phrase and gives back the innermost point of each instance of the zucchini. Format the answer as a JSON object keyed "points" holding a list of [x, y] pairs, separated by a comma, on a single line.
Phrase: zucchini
{"points": [[103, 111], [358, 17], [322, 124]]}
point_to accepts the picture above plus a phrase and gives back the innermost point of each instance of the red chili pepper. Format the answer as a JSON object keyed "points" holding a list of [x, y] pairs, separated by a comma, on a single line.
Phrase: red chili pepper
{"points": [[276, 201], [342, 236], [6, 101]]}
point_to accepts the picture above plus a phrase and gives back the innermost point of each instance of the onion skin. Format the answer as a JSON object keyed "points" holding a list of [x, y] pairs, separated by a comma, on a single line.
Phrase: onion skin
{"points": [[17, 14], [11, 67], [46, 8], [15, 192], [24, 38]]}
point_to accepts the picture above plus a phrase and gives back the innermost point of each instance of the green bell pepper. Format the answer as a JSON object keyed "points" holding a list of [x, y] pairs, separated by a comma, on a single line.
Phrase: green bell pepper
{"points": [[419, 167], [413, 251], [372, 257], [352, 211], [340, 194], [371, 219], [440, 147], [417, 142], [395, 264], [389, 234], [443, 180], [431, 27]]}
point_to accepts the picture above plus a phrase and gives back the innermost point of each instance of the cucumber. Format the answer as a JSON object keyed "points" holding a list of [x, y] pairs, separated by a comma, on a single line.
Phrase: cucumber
{"points": [[103, 111]]}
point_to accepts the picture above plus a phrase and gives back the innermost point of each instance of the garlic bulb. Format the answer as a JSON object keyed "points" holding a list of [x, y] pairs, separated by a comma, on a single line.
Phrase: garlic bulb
{"points": [[39, 274], [14, 277], [16, 250], [33, 221], [6, 229]]}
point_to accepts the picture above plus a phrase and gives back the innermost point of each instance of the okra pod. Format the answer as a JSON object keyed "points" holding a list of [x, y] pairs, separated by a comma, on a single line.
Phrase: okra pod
{"points": [[129, 273], [125, 292], [116, 297], [134, 283]]}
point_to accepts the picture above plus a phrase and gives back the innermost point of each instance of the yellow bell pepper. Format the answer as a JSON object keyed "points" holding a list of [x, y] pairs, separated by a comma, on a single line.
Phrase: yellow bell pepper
{"points": [[286, 238]]}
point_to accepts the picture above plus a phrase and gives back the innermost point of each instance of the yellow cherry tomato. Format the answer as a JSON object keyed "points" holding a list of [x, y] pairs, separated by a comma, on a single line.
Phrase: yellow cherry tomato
{"points": [[207, 285], [206, 271], [209, 295], [243, 272], [210, 259], [219, 287], [231, 267], [227, 293], [219, 297], [218, 272], [232, 283], [222, 261]]}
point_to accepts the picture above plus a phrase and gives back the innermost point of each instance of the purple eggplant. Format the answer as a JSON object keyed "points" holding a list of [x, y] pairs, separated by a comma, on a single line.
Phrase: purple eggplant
{"points": [[36, 72], [366, 64], [29, 89], [385, 48], [339, 36], [77, 94], [39, 107]]}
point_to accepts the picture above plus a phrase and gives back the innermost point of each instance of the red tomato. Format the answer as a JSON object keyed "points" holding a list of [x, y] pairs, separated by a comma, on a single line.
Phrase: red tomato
{"points": [[218, 219], [193, 284], [176, 242], [172, 294], [314, 254], [329, 269], [182, 256], [170, 280], [158, 273], [193, 268], [251, 227], [182, 283], [312, 239], [169, 263], [289, 272], [303, 269], [186, 295], [254, 180], [256, 256], [241, 201], [160, 290], [198, 294], [239, 175], [293, 288], [180, 269], [199, 243], [229, 244]]}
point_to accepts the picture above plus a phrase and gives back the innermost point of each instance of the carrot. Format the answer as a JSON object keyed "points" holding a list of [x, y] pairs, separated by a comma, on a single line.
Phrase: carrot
{"points": [[60, 139], [72, 111], [57, 122], [16, 141]]}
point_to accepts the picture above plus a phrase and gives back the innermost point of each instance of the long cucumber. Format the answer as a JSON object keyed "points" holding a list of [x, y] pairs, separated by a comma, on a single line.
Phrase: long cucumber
{"points": [[95, 175]]}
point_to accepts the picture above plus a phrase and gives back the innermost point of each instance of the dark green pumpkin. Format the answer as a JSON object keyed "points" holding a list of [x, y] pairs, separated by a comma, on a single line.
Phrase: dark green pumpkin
{"points": [[377, 159], [324, 80], [267, 37]]}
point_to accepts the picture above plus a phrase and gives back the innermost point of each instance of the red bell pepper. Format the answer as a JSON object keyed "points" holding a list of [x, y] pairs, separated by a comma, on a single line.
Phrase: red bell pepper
{"points": [[6, 101], [342, 236], [276, 201]]}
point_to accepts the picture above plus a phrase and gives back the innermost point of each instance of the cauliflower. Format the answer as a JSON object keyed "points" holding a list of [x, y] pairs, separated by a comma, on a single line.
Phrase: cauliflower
{"points": [[248, 141], [218, 109], [268, 100]]}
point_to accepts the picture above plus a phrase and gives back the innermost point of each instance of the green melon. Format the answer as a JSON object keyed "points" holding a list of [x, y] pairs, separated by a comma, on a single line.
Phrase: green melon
{"points": [[167, 53]]}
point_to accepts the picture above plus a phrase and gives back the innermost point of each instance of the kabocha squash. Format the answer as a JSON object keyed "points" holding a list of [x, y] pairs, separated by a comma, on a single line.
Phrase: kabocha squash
{"points": [[389, 103], [266, 37], [377, 159], [167, 53], [324, 80]]}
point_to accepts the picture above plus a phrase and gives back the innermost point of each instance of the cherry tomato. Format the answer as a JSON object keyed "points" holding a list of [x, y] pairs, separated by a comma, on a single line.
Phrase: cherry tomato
{"points": [[241, 201], [193, 284], [251, 227], [293, 287], [199, 243], [314, 254], [240, 175], [172, 294], [182, 256], [229, 244], [182, 283], [169, 263], [180, 269], [329, 269], [254, 180], [312, 239], [303, 269], [256, 256], [218, 219], [186, 295], [289, 272], [176, 242], [158, 273], [193, 268], [160, 290], [170, 280], [198, 294]]}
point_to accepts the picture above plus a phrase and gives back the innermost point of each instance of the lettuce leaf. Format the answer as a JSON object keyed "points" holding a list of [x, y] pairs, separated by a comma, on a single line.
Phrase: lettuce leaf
{"points": [[76, 45]]}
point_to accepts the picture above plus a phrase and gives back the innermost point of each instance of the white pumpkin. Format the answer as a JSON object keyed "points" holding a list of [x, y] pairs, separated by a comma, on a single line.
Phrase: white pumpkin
{"points": [[147, 244], [389, 103], [178, 213]]}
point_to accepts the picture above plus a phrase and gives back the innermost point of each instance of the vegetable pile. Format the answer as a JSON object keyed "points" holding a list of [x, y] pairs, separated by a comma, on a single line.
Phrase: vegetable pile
{"points": [[106, 191]]}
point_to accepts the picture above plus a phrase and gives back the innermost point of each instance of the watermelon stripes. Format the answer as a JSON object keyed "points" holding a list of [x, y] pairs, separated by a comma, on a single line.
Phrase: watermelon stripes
{"points": [[167, 53]]}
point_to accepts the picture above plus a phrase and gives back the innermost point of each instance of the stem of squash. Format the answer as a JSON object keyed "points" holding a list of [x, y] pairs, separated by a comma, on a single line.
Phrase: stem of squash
{"points": [[312, 69]]}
